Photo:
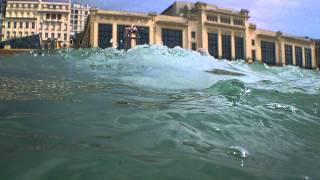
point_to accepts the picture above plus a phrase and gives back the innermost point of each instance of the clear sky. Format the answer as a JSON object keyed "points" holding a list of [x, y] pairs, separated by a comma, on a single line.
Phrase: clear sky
{"points": [[297, 17]]}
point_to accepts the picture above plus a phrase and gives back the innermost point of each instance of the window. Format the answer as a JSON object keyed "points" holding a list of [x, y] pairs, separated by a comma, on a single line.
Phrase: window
{"points": [[9, 24], [172, 38], [253, 55], [27, 25], [14, 24], [212, 18], [193, 34], [299, 57], [104, 35], [253, 42], [143, 33], [308, 58], [8, 34], [238, 22], [213, 44], [46, 35], [21, 25], [239, 47], [59, 35], [52, 35], [288, 54], [59, 16], [226, 47], [194, 46], [225, 20], [65, 36], [268, 51], [47, 16], [54, 16], [33, 25]]}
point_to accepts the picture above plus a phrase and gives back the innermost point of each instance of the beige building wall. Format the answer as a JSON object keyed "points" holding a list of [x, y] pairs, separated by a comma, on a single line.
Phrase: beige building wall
{"points": [[48, 19], [202, 19], [79, 14]]}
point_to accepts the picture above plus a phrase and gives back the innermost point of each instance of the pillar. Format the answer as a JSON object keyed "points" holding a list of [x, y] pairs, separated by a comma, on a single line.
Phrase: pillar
{"points": [[233, 46], [219, 44], [94, 34], [303, 58], [114, 35], [294, 61], [314, 58], [151, 35], [283, 57]]}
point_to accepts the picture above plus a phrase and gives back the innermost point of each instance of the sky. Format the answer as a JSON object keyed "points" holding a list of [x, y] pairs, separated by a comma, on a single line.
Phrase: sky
{"points": [[296, 17]]}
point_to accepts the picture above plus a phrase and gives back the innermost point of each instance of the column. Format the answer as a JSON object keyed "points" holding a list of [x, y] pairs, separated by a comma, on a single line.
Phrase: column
{"points": [[185, 38], [201, 30], [283, 57], [219, 44], [204, 38], [233, 46], [94, 34], [294, 62], [303, 58], [151, 35], [114, 35], [314, 59]]}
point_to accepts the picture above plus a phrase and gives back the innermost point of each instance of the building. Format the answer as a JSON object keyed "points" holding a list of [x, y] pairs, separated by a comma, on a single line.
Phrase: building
{"points": [[224, 33], [48, 18], [1, 17], [318, 52], [79, 14]]}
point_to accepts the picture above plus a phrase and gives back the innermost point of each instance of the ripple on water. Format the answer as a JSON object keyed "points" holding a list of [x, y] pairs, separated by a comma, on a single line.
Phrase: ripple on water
{"points": [[280, 107], [238, 151]]}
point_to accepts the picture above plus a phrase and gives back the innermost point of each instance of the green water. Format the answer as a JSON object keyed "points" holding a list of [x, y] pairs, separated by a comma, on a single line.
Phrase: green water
{"points": [[155, 113]]}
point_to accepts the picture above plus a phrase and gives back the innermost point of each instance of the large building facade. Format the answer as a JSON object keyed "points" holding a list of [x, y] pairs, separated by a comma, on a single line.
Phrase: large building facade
{"points": [[54, 20], [318, 52], [224, 33], [79, 14]]}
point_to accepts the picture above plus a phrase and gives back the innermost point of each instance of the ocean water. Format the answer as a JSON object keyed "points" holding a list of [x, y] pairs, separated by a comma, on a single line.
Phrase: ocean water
{"points": [[155, 113]]}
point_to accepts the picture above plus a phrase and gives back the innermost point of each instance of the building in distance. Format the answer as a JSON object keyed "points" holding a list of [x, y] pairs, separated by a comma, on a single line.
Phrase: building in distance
{"points": [[224, 33]]}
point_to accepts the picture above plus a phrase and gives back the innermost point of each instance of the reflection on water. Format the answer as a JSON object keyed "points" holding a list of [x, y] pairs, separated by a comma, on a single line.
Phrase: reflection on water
{"points": [[155, 113]]}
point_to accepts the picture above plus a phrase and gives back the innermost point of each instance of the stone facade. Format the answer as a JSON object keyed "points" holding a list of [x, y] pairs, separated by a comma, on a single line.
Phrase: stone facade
{"points": [[48, 18], [224, 33], [79, 14]]}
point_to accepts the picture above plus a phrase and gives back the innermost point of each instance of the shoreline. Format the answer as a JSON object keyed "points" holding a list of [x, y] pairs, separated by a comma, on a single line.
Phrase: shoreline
{"points": [[8, 52]]}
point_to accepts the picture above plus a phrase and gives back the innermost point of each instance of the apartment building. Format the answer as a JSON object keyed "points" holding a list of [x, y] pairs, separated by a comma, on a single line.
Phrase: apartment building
{"points": [[1, 17], [79, 14], [48, 18], [318, 52], [224, 33]]}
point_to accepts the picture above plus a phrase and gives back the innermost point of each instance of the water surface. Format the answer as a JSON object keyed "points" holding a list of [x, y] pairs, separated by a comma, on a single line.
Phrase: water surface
{"points": [[155, 113]]}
